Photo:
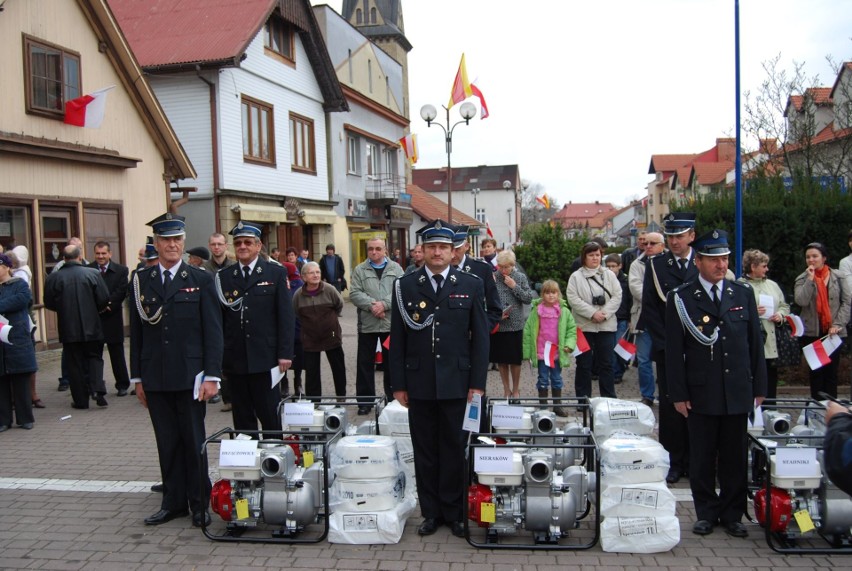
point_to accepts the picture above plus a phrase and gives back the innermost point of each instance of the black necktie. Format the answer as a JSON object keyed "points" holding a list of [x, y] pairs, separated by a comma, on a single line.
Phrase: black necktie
{"points": [[714, 291], [167, 279], [682, 262], [438, 279], [246, 272]]}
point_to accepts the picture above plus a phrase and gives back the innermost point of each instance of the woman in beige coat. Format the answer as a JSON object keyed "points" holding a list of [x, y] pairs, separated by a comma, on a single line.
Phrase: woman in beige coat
{"points": [[594, 295], [755, 268]]}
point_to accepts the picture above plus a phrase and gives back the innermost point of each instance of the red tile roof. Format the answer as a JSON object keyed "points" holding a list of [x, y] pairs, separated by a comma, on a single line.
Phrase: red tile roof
{"points": [[820, 95], [168, 32], [668, 162], [430, 207], [712, 173]]}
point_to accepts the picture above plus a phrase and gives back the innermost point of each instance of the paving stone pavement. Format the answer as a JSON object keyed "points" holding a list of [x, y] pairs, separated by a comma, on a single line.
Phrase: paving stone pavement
{"points": [[75, 489]]}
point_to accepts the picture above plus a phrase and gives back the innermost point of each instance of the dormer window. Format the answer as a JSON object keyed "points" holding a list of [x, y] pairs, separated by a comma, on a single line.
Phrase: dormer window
{"points": [[278, 39]]}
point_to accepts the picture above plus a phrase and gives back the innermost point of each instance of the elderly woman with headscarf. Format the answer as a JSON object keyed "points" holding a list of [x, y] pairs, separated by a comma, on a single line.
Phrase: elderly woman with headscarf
{"points": [[17, 355], [823, 295], [20, 257]]}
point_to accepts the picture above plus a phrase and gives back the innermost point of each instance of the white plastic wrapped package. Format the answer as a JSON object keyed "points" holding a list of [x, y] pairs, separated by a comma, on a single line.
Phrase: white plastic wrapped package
{"points": [[640, 534], [367, 495], [637, 500], [611, 415], [393, 420], [631, 459], [370, 528], [365, 457], [406, 458]]}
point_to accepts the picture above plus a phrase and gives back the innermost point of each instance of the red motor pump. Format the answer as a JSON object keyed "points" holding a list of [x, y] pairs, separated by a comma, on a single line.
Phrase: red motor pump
{"points": [[781, 508], [477, 494], [220, 499]]}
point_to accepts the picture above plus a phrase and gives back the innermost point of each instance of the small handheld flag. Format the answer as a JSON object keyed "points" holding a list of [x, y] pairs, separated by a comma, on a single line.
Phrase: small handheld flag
{"points": [[582, 344]]}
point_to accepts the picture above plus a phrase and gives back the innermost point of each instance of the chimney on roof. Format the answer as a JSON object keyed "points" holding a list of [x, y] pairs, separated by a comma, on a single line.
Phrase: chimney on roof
{"points": [[597, 202]]}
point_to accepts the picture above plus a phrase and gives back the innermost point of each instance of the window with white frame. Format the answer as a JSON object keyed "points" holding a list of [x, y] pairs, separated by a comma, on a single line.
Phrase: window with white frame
{"points": [[372, 160], [390, 162], [480, 215], [352, 156]]}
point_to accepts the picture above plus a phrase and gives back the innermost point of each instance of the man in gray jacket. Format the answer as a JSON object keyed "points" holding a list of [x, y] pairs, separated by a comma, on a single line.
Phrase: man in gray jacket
{"points": [[370, 291]]}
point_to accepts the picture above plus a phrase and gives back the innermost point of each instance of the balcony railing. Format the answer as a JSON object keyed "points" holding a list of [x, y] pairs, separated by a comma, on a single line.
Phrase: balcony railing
{"points": [[384, 187]]}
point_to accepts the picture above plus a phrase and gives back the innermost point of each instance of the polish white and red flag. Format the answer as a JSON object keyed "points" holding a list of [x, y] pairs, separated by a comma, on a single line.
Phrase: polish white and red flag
{"points": [[582, 344], [378, 352], [551, 354], [816, 355], [5, 330], [625, 349], [88, 110], [796, 325]]}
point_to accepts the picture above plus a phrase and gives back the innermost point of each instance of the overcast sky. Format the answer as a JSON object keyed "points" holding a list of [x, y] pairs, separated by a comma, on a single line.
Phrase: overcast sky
{"points": [[582, 93]]}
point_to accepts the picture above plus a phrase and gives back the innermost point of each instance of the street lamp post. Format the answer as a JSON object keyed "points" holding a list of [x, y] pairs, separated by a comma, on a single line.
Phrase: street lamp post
{"points": [[429, 113], [475, 193]]}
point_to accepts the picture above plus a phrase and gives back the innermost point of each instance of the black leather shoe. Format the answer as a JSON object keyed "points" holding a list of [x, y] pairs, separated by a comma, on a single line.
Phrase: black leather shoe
{"points": [[63, 386], [163, 516], [101, 401], [158, 488], [197, 518], [457, 528], [3, 428], [673, 477], [214, 399], [27, 426], [702, 527], [133, 392], [429, 526], [121, 393], [363, 410], [735, 529], [79, 406]]}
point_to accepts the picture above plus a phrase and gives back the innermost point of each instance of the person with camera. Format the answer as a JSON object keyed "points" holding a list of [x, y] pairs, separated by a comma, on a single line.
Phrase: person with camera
{"points": [[594, 295]]}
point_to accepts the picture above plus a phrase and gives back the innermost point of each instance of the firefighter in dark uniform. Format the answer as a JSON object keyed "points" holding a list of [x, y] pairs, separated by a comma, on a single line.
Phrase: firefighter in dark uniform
{"points": [[716, 376], [483, 270], [259, 328], [175, 335], [439, 343], [665, 272]]}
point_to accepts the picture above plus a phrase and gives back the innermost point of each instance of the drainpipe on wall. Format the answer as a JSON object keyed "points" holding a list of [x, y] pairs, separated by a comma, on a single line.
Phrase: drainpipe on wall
{"points": [[214, 144]]}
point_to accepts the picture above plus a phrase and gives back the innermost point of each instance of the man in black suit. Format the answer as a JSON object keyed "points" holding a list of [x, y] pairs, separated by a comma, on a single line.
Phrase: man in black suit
{"points": [[259, 325], [716, 375], [176, 365], [112, 316], [439, 344], [665, 272], [483, 270]]}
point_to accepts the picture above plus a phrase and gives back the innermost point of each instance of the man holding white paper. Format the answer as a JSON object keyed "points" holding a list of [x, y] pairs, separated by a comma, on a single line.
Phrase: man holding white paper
{"points": [[439, 347], [175, 335], [259, 327], [716, 375]]}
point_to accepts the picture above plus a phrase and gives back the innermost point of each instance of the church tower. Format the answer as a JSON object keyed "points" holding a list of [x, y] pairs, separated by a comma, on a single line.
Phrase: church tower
{"points": [[381, 22]]}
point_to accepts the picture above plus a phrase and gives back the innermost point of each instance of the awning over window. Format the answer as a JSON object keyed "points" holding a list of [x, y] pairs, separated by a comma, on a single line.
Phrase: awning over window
{"points": [[260, 213], [317, 216]]}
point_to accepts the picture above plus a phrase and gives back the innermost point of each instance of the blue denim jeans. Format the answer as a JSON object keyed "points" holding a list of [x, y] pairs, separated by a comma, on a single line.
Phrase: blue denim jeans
{"points": [[619, 365], [549, 376], [646, 365]]}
